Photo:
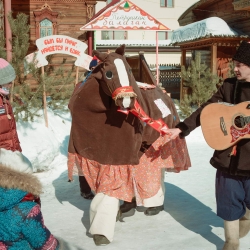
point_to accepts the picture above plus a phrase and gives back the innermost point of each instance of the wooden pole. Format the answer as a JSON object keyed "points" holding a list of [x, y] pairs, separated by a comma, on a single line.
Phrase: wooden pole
{"points": [[11, 93], [77, 73], [183, 63], [44, 101], [8, 33], [90, 42], [157, 66], [214, 59]]}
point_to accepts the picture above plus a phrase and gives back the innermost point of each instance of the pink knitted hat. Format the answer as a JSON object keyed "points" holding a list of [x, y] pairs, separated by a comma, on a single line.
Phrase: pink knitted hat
{"points": [[7, 72]]}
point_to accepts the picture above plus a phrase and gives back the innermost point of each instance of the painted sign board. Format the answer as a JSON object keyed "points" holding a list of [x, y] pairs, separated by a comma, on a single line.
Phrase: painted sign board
{"points": [[124, 15], [59, 44]]}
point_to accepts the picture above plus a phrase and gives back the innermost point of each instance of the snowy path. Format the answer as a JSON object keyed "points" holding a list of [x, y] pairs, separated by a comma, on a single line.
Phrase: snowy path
{"points": [[188, 221]]}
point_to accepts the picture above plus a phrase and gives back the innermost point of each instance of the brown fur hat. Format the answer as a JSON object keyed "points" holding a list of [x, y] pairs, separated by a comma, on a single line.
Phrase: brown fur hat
{"points": [[16, 172], [14, 179]]}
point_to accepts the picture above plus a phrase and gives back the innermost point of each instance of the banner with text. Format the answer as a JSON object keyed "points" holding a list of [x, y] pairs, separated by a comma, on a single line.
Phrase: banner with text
{"points": [[60, 44], [124, 15]]}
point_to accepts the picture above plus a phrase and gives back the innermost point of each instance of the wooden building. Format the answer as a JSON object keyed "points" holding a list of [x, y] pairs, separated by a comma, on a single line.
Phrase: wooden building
{"points": [[236, 13], [63, 17], [50, 17], [217, 49]]}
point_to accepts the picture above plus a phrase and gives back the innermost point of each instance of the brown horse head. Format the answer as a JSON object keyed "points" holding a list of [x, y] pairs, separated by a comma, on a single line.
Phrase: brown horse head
{"points": [[116, 77]]}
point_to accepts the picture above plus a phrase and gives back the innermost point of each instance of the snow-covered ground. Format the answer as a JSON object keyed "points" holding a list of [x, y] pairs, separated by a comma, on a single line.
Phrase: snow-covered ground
{"points": [[189, 219]]}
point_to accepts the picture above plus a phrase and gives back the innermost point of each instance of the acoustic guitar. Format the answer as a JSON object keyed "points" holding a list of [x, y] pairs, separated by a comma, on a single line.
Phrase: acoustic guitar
{"points": [[224, 124]]}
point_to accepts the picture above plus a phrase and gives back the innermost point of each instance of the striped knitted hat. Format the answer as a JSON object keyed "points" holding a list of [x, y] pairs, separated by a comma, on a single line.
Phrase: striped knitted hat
{"points": [[7, 72]]}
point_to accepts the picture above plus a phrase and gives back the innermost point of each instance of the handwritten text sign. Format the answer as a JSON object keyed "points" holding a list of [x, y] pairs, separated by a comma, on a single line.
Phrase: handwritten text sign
{"points": [[131, 18], [62, 44]]}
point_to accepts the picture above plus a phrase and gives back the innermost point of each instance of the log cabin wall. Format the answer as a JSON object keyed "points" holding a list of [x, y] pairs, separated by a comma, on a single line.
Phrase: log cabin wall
{"points": [[67, 17], [224, 58]]}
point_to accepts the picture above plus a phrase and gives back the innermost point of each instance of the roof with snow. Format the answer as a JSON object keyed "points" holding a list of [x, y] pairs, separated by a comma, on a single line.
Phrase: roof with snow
{"points": [[123, 15], [213, 27]]}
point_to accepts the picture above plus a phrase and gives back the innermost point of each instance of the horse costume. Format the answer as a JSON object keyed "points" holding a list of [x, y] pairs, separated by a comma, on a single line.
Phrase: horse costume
{"points": [[117, 134]]}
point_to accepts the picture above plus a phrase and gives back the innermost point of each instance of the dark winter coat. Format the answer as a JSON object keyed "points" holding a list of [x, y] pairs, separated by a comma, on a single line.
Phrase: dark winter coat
{"points": [[8, 134], [21, 222], [232, 91]]}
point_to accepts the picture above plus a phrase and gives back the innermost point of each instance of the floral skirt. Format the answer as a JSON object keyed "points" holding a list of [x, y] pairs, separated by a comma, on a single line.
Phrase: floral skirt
{"points": [[127, 181]]}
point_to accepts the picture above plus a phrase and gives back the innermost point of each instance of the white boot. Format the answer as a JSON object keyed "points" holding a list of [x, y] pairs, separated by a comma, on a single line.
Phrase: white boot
{"points": [[231, 229], [103, 212], [245, 224]]}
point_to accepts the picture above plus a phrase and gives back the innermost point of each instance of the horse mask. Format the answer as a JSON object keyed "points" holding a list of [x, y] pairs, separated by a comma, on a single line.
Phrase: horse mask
{"points": [[116, 77]]}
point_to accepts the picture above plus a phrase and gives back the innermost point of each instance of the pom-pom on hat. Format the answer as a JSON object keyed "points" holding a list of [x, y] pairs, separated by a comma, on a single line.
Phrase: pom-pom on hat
{"points": [[7, 72], [93, 63], [243, 53]]}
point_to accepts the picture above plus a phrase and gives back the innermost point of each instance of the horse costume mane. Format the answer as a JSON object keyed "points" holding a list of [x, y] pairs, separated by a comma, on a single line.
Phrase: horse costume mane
{"points": [[99, 131]]}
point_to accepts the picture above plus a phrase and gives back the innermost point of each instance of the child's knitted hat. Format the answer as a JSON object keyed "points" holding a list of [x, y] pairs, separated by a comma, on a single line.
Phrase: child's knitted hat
{"points": [[243, 53], [7, 72]]}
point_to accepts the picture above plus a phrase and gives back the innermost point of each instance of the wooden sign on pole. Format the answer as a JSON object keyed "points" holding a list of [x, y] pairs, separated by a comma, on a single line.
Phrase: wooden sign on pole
{"points": [[44, 101], [54, 44], [77, 73]]}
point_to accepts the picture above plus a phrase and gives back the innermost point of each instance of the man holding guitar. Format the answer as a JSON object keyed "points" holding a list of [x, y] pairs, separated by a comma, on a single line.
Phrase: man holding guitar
{"points": [[232, 163]]}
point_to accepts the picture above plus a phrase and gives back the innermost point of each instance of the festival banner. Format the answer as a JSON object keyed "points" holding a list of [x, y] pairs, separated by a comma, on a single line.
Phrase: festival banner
{"points": [[59, 44]]}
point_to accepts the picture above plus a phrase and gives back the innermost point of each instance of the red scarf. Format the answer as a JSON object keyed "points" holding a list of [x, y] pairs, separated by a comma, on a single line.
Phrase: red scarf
{"points": [[31, 197]]}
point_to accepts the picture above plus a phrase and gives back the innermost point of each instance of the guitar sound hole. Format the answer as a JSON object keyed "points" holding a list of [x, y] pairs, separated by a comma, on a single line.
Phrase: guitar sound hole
{"points": [[239, 121]]}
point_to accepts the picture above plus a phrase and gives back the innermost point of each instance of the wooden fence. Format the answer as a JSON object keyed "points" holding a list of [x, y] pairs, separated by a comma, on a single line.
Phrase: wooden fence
{"points": [[169, 78]]}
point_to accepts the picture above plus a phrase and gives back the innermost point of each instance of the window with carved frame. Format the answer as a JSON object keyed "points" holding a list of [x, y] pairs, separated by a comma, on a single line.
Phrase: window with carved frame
{"points": [[46, 21], [46, 28]]}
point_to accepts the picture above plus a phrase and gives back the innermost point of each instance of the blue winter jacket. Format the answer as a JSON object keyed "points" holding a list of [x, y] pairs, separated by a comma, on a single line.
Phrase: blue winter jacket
{"points": [[21, 222]]}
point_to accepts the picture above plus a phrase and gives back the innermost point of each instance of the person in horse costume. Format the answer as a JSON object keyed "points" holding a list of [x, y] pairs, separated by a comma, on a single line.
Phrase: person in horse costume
{"points": [[73, 163], [117, 133]]}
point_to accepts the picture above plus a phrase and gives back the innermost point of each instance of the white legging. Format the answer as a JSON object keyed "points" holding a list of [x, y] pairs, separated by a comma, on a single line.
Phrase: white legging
{"points": [[104, 209], [103, 212]]}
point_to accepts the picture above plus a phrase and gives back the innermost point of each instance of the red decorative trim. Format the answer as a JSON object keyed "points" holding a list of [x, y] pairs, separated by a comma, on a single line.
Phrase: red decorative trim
{"points": [[159, 125], [236, 134], [126, 89]]}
